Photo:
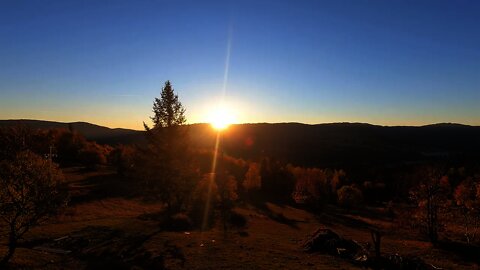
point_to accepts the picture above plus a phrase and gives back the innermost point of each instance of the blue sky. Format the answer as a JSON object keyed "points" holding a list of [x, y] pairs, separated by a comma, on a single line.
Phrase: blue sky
{"points": [[382, 62]]}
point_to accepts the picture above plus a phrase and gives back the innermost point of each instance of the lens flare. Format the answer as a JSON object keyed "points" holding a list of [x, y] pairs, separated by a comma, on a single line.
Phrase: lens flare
{"points": [[221, 118]]}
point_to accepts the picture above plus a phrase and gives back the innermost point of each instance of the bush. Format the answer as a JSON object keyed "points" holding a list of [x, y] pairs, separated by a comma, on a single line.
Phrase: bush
{"points": [[122, 158], [68, 145], [179, 222], [238, 220], [349, 196], [202, 205], [92, 156]]}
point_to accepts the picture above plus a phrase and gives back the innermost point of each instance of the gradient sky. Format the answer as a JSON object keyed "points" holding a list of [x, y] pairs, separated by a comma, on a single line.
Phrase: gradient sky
{"points": [[382, 62]]}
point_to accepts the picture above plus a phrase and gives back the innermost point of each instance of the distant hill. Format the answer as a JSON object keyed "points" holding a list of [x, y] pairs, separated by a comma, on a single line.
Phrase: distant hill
{"points": [[348, 144], [90, 131], [324, 145]]}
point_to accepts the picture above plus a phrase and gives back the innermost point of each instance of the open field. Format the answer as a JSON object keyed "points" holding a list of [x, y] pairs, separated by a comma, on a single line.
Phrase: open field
{"points": [[102, 228]]}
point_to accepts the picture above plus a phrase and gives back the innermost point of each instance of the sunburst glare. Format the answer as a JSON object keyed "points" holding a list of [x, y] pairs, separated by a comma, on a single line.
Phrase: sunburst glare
{"points": [[221, 117]]}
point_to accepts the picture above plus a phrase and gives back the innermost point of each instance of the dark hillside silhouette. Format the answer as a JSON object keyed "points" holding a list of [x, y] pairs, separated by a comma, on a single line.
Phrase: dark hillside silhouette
{"points": [[323, 145], [92, 132], [346, 144]]}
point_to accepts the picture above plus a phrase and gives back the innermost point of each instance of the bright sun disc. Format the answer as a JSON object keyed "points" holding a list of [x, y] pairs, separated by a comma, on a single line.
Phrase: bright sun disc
{"points": [[221, 118]]}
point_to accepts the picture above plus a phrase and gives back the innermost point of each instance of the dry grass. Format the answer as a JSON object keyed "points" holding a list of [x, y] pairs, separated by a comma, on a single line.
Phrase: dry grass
{"points": [[106, 209], [271, 240]]}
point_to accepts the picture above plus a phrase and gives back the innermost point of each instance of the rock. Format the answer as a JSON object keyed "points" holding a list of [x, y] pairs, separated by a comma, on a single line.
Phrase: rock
{"points": [[322, 240], [327, 241]]}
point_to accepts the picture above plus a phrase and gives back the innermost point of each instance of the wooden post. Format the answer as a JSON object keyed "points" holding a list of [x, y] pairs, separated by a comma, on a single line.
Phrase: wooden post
{"points": [[376, 238]]}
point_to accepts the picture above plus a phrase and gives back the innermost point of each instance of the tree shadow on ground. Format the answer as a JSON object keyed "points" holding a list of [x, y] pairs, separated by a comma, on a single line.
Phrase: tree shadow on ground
{"points": [[334, 219], [101, 186], [465, 251], [102, 247], [263, 208]]}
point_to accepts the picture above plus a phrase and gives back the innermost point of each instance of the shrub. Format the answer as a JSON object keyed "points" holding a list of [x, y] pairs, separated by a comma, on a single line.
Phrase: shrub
{"points": [[312, 186], [179, 222], [204, 199], [68, 146], [122, 158], [92, 156], [238, 220], [252, 181], [349, 196]]}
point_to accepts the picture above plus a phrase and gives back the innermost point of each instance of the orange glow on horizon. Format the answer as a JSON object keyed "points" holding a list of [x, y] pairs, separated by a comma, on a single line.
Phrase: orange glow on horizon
{"points": [[221, 118]]}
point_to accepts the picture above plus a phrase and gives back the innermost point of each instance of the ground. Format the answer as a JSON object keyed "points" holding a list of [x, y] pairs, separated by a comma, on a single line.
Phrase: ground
{"points": [[104, 227]]}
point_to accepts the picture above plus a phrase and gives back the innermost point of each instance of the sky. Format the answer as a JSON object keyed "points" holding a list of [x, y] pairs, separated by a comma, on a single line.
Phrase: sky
{"points": [[380, 62]]}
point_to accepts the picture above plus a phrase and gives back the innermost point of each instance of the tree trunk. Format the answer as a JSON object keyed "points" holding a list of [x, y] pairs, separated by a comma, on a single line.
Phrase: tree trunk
{"points": [[12, 245], [376, 238], [224, 219], [432, 221]]}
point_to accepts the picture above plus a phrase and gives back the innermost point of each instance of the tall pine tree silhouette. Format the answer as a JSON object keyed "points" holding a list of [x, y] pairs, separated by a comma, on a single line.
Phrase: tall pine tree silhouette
{"points": [[168, 111], [164, 163]]}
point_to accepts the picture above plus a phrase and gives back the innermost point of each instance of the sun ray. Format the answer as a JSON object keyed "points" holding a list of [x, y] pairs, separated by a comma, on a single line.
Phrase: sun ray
{"points": [[210, 184], [220, 119]]}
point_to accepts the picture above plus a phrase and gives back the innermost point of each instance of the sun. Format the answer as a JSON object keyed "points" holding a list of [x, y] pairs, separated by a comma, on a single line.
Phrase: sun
{"points": [[221, 117]]}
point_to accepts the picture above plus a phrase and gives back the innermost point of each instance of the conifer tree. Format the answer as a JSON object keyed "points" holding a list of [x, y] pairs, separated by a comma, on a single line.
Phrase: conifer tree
{"points": [[164, 163], [168, 111]]}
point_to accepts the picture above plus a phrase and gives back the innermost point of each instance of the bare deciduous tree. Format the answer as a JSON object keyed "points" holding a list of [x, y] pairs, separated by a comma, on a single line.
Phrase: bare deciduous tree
{"points": [[431, 196], [467, 197], [30, 191]]}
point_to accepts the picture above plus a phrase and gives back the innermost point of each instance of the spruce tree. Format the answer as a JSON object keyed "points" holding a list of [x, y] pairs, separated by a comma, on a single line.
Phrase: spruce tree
{"points": [[168, 111], [164, 164]]}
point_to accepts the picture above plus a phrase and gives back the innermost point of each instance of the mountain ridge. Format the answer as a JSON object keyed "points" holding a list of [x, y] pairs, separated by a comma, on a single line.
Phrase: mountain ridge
{"points": [[323, 145], [4, 122]]}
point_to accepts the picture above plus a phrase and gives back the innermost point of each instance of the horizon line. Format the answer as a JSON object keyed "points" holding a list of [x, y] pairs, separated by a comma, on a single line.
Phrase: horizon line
{"points": [[252, 123]]}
